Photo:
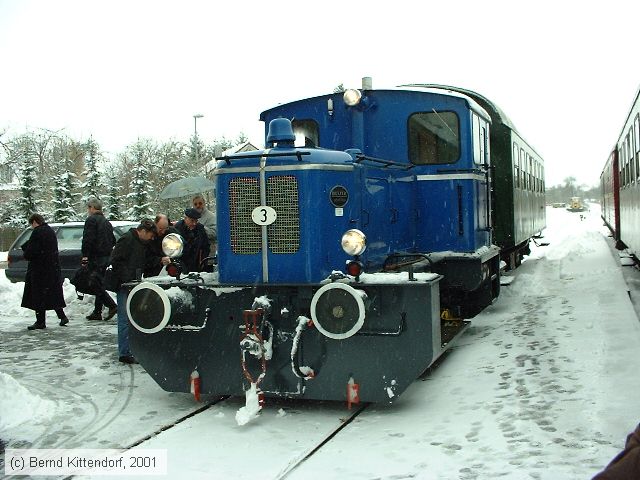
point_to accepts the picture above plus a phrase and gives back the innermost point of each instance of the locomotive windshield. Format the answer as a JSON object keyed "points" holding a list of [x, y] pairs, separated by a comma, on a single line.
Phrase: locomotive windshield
{"points": [[306, 132], [434, 138]]}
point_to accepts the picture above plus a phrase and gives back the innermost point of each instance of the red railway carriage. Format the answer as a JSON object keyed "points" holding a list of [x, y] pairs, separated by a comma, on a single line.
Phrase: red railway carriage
{"points": [[620, 181]]}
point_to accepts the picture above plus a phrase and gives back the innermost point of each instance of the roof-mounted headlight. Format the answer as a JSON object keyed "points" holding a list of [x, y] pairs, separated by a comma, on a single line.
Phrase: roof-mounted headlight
{"points": [[354, 242], [352, 97], [172, 245]]}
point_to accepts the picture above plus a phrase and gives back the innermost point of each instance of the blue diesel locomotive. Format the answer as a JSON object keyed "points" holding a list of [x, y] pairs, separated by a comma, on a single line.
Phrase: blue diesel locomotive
{"points": [[351, 251]]}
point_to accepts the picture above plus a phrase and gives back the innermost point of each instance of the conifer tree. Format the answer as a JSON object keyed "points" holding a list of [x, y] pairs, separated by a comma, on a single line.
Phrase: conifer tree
{"points": [[64, 183], [28, 188], [92, 184], [112, 199], [139, 196]]}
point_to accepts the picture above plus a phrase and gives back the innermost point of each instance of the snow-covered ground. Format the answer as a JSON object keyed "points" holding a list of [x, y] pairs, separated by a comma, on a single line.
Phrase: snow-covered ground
{"points": [[543, 385]]}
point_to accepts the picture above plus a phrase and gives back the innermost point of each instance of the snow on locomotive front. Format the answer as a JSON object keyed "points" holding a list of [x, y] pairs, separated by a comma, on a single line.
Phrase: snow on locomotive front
{"points": [[291, 310]]}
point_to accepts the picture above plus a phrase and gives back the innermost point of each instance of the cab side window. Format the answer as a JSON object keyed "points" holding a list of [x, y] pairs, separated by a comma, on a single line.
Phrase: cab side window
{"points": [[434, 138]]}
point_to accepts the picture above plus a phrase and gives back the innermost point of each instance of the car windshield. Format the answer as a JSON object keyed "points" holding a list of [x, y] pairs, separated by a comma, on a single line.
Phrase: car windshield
{"points": [[24, 236], [69, 237]]}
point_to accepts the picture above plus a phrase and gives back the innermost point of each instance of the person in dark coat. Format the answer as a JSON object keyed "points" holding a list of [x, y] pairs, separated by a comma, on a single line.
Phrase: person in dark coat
{"points": [[128, 262], [625, 465], [196, 242], [156, 259], [97, 243], [43, 282]]}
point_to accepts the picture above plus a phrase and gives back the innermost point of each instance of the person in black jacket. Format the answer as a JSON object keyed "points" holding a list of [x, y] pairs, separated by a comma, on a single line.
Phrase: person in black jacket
{"points": [[196, 243], [128, 262], [43, 283], [97, 243], [156, 259]]}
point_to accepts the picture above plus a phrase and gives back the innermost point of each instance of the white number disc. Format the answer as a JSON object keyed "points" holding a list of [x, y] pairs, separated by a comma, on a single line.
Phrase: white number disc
{"points": [[263, 215]]}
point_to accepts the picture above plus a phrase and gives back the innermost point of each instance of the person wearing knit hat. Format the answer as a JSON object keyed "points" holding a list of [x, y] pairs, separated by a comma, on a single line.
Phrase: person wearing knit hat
{"points": [[192, 213]]}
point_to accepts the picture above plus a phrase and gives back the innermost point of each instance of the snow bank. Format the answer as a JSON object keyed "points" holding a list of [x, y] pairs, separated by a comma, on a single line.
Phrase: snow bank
{"points": [[18, 405]]}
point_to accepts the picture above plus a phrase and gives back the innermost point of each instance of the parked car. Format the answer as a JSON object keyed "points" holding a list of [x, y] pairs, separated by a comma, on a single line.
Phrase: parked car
{"points": [[69, 248]]}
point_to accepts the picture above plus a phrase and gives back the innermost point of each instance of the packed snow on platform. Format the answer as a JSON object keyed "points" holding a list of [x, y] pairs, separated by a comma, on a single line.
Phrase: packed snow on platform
{"points": [[543, 385]]}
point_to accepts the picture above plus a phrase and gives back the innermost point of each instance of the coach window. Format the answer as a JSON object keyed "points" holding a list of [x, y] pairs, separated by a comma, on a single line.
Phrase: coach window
{"points": [[516, 170], [518, 184], [523, 168], [636, 154], [306, 132], [632, 150], [632, 153], [622, 160], [434, 138], [627, 161], [539, 177], [623, 165]]}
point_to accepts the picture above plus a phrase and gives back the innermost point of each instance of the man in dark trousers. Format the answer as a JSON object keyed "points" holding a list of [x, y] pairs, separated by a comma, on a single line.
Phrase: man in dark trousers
{"points": [[43, 283], [196, 242], [97, 243], [128, 262]]}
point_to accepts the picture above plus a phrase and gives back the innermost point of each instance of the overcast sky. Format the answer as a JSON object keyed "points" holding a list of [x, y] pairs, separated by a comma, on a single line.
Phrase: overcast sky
{"points": [[565, 74]]}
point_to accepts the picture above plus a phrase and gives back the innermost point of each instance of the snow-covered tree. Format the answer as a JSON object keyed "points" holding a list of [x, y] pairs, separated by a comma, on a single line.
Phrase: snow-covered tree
{"points": [[92, 183], [111, 199], [139, 196], [139, 174], [198, 153], [63, 201], [28, 188], [64, 185]]}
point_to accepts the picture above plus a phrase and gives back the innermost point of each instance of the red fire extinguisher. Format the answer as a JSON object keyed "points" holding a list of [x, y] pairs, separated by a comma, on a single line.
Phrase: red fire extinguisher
{"points": [[195, 385]]}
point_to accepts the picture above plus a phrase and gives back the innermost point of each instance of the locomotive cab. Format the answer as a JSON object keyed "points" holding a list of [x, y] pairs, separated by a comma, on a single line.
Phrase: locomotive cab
{"points": [[424, 182]]}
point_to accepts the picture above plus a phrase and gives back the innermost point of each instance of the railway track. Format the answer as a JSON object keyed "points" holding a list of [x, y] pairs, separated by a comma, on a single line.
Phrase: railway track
{"points": [[206, 441]]}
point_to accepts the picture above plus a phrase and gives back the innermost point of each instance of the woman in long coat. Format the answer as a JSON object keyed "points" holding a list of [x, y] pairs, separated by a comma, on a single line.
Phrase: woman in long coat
{"points": [[43, 283]]}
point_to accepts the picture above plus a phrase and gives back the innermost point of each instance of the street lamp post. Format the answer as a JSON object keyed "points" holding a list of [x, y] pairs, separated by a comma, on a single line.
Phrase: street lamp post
{"points": [[195, 135]]}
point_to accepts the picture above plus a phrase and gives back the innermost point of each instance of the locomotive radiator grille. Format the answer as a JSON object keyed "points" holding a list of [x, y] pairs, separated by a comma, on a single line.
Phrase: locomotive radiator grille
{"points": [[283, 236], [284, 233], [244, 196]]}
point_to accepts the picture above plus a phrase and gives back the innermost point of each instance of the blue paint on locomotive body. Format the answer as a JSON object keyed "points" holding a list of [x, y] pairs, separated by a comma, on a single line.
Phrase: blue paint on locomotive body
{"points": [[299, 247], [424, 208], [303, 245]]}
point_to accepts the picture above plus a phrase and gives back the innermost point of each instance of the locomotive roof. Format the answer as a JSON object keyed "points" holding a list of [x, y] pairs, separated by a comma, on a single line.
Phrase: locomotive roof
{"points": [[495, 111], [438, 89]]}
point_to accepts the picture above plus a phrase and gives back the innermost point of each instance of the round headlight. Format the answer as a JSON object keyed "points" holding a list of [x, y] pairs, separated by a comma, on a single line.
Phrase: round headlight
{"points": [[352, 97], [172, 245], [354, 242]]}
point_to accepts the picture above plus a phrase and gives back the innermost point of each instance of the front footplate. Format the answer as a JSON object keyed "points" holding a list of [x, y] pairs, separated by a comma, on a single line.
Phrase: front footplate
{"points": [[377, 335]]}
